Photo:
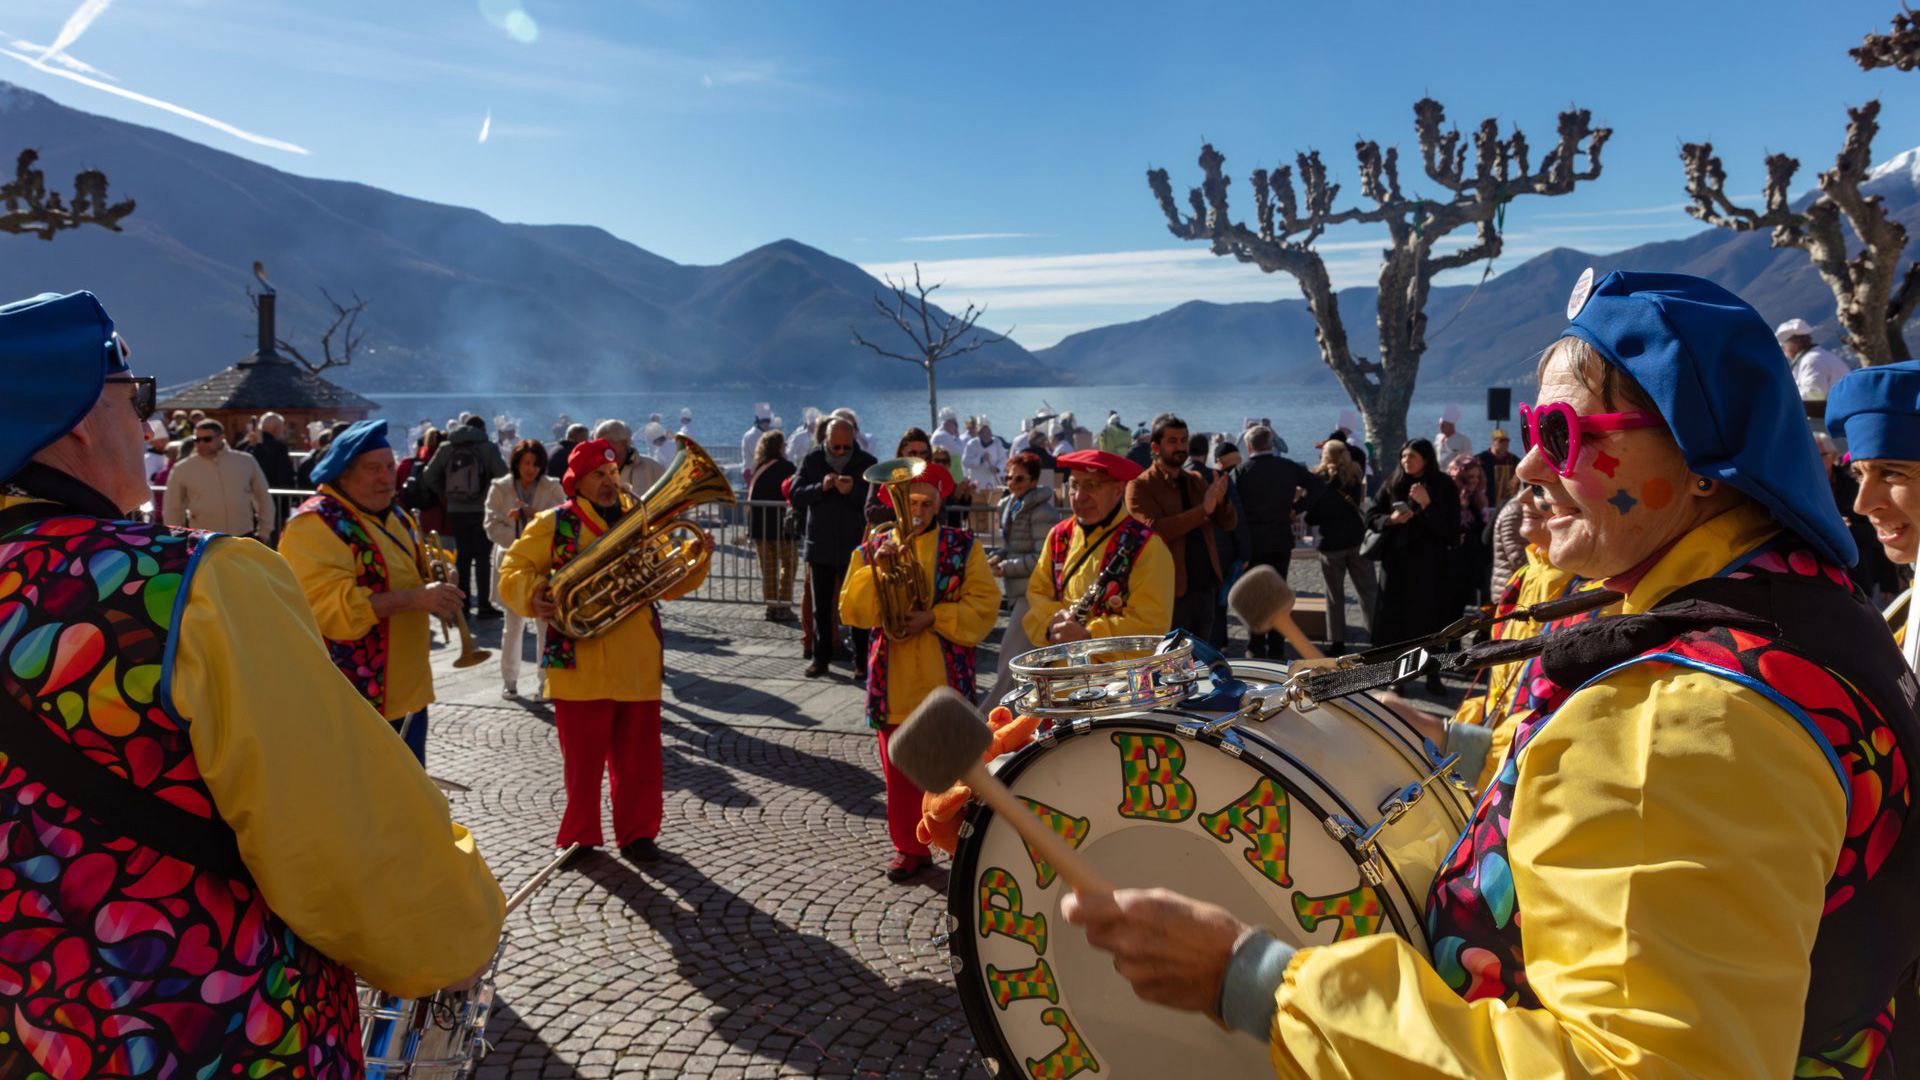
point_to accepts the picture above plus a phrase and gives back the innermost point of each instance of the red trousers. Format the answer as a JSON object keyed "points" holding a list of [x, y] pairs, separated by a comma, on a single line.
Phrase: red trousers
{"points": [[621, 738], [903, 804]]}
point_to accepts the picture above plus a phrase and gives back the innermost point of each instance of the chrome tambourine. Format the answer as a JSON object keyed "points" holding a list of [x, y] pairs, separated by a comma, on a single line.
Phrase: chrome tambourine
{"points": [[1145, 672]]}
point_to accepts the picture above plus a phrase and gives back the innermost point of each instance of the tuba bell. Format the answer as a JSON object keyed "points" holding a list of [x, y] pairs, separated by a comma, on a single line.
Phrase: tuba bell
{"points": [[898, 585], [638, 560]]}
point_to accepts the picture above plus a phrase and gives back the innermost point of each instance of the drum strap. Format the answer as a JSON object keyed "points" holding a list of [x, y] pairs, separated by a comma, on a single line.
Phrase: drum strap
{"points": [[96, 791]]}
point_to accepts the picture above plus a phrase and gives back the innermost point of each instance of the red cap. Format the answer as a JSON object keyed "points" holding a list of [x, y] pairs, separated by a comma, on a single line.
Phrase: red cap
{"points": [[585, 458], [935, 476], [1099, 461]]}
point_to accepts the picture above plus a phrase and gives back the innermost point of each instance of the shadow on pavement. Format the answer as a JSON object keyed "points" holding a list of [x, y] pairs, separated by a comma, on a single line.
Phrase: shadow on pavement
{"points": [[787, 996], [849, 786], [514, 1044]]}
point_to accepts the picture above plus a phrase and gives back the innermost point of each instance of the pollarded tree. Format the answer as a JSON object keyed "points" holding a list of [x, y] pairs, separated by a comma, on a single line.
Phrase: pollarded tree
{"points": [[1479, 180], [30, 208], [1869, 306], [1898, 49]]}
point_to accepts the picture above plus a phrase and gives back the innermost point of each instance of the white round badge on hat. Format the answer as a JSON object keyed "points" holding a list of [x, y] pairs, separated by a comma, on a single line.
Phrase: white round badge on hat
{"points": [[610, 456], [1581, 290]]}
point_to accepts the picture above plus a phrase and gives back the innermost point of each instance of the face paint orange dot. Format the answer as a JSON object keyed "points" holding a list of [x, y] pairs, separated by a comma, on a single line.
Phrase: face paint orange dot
{"points": [[1656, 493]]}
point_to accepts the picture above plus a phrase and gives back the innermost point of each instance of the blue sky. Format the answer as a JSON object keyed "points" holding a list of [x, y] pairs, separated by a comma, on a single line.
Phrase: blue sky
{"points": [[1002, 145]]}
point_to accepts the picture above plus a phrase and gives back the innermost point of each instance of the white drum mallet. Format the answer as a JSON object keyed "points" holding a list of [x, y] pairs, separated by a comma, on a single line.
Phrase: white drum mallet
{"points": [[1264, 601]]}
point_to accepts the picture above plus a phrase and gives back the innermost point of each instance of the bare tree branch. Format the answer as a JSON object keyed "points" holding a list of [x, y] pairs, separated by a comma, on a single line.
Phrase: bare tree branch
{"points": [[1899, 48], [914, 313], [31, 208], [346, 318], [1293, 209], [1872, 316]]}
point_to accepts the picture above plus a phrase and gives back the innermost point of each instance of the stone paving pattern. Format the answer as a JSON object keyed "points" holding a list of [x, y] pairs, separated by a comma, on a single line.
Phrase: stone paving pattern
{"points": [[766, 943]]}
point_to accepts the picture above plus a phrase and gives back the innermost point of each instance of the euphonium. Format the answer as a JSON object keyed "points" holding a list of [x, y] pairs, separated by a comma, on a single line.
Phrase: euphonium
{"points": [[897, 582], [639, 560]]}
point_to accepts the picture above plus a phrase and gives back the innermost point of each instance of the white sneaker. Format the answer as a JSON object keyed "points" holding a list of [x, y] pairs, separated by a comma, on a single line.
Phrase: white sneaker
{"points": [[510, 692]]}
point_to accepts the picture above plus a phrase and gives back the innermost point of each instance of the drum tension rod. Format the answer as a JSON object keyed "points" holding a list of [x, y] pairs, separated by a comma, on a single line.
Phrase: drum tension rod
{"points": [[1363, 841]]}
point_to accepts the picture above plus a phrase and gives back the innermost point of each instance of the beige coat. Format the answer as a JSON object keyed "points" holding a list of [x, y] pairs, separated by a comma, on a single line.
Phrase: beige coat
{"points": [[225, 493]]}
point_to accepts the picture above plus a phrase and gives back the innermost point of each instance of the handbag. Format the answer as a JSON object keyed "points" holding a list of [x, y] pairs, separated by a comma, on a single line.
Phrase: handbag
{"points": [[1374, 544]]}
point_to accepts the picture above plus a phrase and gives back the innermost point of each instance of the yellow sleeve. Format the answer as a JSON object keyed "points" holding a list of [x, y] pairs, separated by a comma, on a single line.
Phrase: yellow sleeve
{"points": [[1670, 894], [526, 564], [1041, 606], [859, 604], [1149, 607], [326, 570], [969, 619], [349, 841]]}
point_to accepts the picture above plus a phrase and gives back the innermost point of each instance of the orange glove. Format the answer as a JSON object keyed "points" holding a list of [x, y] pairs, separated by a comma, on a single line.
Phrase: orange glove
{"points": [[940, 812]]}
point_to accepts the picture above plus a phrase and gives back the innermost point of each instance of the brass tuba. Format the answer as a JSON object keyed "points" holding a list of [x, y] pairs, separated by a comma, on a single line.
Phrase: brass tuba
{"points": [[639, 560], [897, 582]]}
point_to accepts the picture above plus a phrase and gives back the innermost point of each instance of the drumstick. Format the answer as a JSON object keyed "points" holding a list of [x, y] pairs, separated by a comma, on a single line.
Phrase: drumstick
{"points": [[520, 894], [1263, 600], [941, 744]]}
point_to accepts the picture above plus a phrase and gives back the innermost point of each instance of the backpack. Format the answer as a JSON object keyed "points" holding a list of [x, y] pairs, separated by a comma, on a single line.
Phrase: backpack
{"points": [[466, 477], [415, 495]]}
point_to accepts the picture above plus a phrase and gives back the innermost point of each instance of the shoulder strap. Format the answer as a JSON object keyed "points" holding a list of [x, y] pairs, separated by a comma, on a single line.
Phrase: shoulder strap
{"points": [[115, 801]]}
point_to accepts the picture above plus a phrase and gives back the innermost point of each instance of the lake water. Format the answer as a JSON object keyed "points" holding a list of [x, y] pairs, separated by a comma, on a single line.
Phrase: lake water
{"points": [[720, 417]]}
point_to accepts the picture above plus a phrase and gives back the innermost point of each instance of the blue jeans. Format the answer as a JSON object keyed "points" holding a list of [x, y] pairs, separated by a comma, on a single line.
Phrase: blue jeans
{"points": [[416, 735]]}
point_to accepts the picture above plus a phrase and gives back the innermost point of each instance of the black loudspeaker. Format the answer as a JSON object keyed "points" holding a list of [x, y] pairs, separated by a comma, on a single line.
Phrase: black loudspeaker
{"points": [[1499, 403]]}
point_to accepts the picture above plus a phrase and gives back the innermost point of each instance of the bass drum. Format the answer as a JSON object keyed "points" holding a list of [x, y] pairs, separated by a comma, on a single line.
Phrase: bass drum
{"points": [[1239, 818]]}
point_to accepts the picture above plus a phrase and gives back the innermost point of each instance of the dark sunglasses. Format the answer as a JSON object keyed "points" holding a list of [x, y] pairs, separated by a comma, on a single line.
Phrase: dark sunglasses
{"points": [[146, 392], [206, 438]]}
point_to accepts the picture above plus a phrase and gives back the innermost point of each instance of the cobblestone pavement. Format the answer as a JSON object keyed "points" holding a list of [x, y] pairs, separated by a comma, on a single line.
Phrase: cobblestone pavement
{"points": [[766, 943]]}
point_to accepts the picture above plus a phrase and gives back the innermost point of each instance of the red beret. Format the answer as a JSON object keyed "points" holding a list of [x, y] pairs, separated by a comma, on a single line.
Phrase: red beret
{"points": [[1099, 461], [935, 476], [585, 458]]}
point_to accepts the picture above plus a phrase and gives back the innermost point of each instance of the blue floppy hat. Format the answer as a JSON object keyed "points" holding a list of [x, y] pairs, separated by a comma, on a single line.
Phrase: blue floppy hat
{"points": [[55, 355], [359, 438], [1877, 410], [1719, 379]]}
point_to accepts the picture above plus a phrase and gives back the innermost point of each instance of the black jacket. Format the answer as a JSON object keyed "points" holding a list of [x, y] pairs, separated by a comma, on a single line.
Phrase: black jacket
{"points": [[274, 461], [764, 524], [836, 522], [1338, 517], [1270, 489]]}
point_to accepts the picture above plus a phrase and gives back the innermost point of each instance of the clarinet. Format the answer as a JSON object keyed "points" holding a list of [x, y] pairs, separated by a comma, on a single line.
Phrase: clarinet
{"points": [[1109, 573]]}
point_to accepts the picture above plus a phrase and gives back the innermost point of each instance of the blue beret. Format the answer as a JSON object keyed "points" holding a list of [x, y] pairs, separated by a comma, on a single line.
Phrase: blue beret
{"points": [[359, 438], [55, 355], [1877, 410], [1719, 379]]}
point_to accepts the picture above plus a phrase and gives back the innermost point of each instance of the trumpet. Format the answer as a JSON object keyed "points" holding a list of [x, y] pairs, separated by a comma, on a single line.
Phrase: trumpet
{"points": [[440, 569], [898, 584]]}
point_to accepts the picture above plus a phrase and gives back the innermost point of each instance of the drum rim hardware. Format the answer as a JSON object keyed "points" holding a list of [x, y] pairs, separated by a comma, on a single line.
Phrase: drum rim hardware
{"points": [[1363, 841]]}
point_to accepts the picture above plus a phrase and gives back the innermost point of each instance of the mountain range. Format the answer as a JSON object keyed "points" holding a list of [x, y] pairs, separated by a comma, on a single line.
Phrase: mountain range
{"points": [[461, 300]]}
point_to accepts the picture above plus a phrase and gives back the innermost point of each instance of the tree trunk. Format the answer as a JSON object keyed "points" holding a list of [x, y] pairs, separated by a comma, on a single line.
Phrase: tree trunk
{"points": [[933, 402]]}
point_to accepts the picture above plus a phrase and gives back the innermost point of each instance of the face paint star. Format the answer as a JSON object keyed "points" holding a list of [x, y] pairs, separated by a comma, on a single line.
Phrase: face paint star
{"points": [[1606, 463], [1622, 501]]}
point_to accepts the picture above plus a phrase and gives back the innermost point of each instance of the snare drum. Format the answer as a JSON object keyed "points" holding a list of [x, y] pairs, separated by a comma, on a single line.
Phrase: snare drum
{"points": [[1273, 820], [426, 1038]]}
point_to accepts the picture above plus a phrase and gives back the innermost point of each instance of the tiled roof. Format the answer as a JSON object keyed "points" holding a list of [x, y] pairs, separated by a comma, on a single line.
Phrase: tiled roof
{"points": [[271, 383]]}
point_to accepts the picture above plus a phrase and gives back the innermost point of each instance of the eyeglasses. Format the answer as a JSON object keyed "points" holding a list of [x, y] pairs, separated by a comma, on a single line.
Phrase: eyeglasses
{"points": [[206, 438], [146, 392], [839, 448], [1556, 429], [1012, 476]]}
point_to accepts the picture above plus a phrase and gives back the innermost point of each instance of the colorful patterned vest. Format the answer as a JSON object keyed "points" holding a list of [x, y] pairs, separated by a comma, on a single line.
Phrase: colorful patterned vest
{"points": [[363, 662], [117, 960], [1116, 563], [568, 526], [1862, 719], [951, 550]]}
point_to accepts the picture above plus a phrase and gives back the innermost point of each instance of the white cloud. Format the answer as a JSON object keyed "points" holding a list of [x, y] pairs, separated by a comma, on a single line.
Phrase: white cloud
{"points": [[166, 106], [944, 238]]}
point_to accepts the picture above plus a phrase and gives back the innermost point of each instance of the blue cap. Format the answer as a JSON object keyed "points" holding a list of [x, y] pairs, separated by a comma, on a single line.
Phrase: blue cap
{"points": [[1877, 410], [55, 355], [359, 438], [1719, 379]]}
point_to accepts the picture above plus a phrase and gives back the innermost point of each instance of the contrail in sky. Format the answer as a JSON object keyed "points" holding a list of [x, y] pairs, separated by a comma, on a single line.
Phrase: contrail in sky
{"points": [[77, 24], [168, 106], [486, 126]]}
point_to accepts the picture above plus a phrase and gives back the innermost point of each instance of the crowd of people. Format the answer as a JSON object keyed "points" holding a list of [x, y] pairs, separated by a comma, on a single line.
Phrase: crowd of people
{"points": [[1704, 866]]}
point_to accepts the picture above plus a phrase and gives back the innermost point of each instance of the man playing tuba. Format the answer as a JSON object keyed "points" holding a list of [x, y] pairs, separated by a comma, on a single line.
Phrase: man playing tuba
{"points": [[605, 688], [360, 560], [915, 650]]}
